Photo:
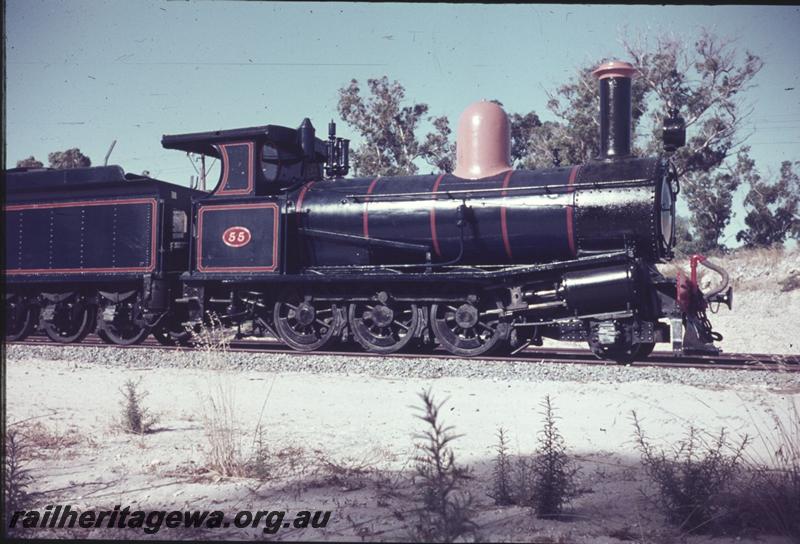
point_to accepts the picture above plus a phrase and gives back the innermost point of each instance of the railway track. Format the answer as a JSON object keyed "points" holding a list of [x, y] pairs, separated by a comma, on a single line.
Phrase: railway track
{"points": [[729, 361]]}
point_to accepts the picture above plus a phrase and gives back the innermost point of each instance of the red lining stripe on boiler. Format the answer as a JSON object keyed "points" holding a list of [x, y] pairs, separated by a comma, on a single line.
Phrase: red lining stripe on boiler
{"points": [[503, 219], [434, 238], [299, 206], [366, 207], [570, 227]]}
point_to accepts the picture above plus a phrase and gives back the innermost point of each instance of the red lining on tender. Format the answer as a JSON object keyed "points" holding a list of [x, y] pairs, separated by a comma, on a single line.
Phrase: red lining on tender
{"points": [[48, 205], [365, 217], [503, 220], [199, 256], [434, 237], [570, 208]]}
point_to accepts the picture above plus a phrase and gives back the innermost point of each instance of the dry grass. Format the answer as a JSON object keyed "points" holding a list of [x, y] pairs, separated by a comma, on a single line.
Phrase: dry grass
{"points": [[774, 269], [772, 492], [43, 441]]}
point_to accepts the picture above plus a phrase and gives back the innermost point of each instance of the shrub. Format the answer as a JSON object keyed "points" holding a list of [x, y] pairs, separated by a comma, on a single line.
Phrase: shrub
{"points": [[502, 485], [552, 472], [694, 478], [447, 509], [135, 418], [16, 477]]}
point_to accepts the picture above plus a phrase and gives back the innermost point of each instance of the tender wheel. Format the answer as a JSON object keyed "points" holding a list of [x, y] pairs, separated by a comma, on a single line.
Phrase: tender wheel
{"points": [[645, 349], [468, 328], [116, 323], [384, 325], [305, 324], [623, 354], [68, 321], [621, 351], [20, 318], [172, 334]]}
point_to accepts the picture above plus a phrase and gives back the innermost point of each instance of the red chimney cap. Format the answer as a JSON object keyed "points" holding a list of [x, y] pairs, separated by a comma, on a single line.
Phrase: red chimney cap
{"points": [[614, 68]]}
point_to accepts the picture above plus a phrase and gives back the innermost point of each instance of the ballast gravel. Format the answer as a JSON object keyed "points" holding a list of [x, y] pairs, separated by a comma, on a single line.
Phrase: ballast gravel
{"points": [[400, 367]]}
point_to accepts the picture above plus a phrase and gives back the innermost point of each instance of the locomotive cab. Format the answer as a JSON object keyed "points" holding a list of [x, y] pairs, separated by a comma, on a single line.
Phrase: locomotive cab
{"points": [[257, 161]]}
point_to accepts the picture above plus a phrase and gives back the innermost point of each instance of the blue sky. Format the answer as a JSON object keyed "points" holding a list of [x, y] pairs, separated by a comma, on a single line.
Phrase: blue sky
{"points": [[83, 73]]}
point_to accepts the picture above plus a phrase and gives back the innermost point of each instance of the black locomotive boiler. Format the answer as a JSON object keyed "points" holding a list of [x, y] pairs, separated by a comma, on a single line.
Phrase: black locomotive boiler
{"points": [[487, 258]]}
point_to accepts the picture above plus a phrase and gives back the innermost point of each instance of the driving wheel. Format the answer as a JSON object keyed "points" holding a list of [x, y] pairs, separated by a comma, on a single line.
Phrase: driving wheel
{"points": [[305, 324], [383, 325], [468, 328]]}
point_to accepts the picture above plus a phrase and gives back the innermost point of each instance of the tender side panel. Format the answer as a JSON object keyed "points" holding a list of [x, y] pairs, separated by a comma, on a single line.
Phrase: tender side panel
{"points": [[238, 238], [102, 236]]}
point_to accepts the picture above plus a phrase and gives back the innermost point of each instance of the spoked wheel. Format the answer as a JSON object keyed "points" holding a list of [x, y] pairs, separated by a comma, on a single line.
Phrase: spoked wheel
{"points": [[383, 325], [306, 324], [117, 323], [20, 318], [69, 320], [468, 328]]}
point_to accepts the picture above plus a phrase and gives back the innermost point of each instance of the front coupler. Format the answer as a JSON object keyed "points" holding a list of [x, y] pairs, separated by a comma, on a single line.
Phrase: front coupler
{"points": [[698, 336]]}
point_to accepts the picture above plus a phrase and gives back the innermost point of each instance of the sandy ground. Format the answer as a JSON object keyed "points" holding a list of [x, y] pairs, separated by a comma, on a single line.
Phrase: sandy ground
{"points": [[347, 446], [345, 443]]}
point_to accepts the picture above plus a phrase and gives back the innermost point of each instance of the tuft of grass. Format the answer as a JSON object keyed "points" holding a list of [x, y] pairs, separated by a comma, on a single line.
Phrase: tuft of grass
{"points": [[212, 340], [694, 481], [135, 418], [552, 471], [447, 510], [226, 454], [218, 405], [502, 484]]}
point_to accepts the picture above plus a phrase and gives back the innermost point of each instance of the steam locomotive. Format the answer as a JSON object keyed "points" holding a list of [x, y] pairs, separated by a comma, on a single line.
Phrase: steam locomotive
{"points": [[482, 260]]}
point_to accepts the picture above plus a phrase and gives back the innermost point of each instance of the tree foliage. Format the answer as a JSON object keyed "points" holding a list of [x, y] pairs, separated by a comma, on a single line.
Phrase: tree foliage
{"points": [[30, 162], [773, 208], [71, 158], [389, 130], [704, 81]]}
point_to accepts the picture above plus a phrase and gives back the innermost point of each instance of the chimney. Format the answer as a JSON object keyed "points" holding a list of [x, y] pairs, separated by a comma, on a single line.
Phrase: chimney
{"points": [[615, 108]]}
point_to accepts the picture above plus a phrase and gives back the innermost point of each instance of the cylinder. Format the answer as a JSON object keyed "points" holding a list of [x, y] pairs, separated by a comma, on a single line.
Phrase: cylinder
{"points": [[615, 79], [600, 290]]}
